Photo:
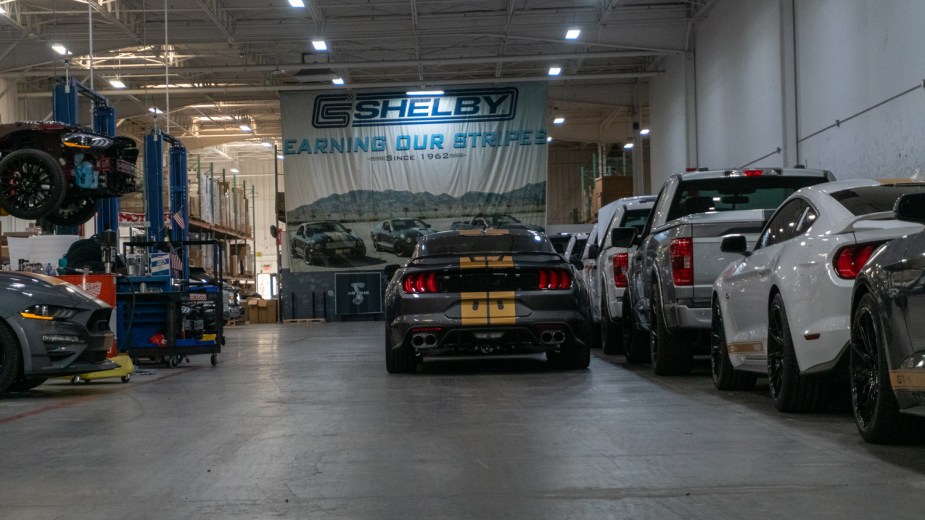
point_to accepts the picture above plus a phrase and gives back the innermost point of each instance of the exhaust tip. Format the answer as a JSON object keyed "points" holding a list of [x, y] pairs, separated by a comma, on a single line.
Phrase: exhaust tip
{"points": [[558, 336], [417, 340], [546, 337], [430, 339]]}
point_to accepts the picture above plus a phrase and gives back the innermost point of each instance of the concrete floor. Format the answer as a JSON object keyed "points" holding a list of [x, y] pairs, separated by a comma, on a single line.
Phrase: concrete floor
{"points": [[302, 421]]}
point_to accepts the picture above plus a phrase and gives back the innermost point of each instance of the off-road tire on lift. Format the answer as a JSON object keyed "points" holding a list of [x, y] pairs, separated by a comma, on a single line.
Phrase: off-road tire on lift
{"points": [[74, 211], [32, 184]]}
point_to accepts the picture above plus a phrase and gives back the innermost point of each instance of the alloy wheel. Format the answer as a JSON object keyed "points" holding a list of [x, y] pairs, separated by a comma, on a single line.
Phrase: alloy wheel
{"points": [[865, 368], [775, 352]]}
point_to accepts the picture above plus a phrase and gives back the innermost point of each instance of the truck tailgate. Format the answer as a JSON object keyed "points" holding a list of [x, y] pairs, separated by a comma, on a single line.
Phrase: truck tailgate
{"points": [[708, 233]]}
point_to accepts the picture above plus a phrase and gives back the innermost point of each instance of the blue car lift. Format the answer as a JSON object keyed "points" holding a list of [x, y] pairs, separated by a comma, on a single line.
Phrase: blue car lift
{"points": [[152, 305], [104, 122]]}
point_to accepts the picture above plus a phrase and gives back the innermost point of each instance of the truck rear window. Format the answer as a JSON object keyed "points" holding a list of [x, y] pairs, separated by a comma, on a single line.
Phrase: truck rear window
{"points": [[636, 218], [735, 193], [873, 199]]}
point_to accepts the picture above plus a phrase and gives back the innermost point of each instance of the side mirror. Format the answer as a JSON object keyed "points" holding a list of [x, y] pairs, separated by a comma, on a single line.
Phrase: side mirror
{"points": [[349, 230], [734, 244], [593, 250], [910, 207], [622, 237], [578, 264], [274, 231]]}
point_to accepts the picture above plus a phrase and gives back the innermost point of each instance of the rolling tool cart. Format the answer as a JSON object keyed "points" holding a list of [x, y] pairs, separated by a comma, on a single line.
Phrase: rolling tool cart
{"points": [[167, 318]]}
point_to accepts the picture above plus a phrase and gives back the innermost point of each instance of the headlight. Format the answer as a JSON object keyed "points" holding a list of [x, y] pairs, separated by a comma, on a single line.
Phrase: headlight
{"points": [[85, 141], [48, 312]]}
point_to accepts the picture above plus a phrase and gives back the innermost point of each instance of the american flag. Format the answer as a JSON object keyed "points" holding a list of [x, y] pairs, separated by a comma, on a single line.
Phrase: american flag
{"points": [[178, 218], [175, 262]]}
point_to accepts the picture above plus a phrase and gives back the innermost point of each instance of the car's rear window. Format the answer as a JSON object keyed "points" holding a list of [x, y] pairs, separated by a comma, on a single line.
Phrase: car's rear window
{"points": [[736, 193], [873, 199], [467, 244], [636, 218], [560, 243]]}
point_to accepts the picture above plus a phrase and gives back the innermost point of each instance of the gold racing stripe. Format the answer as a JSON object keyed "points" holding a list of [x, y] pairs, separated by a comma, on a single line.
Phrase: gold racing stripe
{"points": [[469, 232], [907, 379], [745, 348], [472, 262], [482, 262], [501, 308], [501, 261], [474, 308]]}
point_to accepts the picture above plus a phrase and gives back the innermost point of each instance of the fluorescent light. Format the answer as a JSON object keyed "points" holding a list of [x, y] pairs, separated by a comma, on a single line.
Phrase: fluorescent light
{"points": [[319, 45], [628, 146], [338, 81], [280, 157], [155, 111], [424, 93], [116, 83], [235, 170], [296, 3], [555, 71], [60, 49], [2, 10], [548, 138], [266, 144], [572, 34], [558, 120], [245, 128], [644, 131]]}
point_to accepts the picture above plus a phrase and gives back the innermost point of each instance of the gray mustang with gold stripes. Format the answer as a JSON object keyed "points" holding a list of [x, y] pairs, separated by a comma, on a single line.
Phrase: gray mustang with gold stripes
{"points": [[484, 292]]}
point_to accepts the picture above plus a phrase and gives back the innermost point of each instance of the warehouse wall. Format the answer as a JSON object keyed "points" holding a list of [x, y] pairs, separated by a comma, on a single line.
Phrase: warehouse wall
{"points": [[849, 56], [564, 199], [7, 101]]}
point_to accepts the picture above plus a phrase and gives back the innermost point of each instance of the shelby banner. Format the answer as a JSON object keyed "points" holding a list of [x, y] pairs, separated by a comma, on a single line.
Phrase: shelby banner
{"points": [[368, 173]]}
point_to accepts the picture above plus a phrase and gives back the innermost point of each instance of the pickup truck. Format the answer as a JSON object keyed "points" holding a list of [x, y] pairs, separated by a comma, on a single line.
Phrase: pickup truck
{"points": [[670, 276]]}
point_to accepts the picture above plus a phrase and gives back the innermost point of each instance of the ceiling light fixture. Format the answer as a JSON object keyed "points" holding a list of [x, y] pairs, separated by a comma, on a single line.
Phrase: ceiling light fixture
{"points": [[266, 144], [572, 34], [155, 111], [424, 93], [235, 170], [548, 138], [296, 3], [2, 10], [558, 120], [116, 83], [280, 157], [320, 45], [555, 71], [245, 128], [338, 81], [628, 146], [644, 131], [60, 49]]}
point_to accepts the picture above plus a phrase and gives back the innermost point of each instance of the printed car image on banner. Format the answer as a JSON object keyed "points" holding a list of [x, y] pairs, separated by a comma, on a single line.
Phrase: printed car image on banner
{"points": [[368, 173]]}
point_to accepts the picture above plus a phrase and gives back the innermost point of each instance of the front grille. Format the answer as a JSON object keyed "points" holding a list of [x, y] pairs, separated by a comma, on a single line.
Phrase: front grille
{"points": [[99, 320]]}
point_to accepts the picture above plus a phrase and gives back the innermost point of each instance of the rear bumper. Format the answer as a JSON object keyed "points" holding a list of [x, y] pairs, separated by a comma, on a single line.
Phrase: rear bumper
{"points": [[687, 317]]}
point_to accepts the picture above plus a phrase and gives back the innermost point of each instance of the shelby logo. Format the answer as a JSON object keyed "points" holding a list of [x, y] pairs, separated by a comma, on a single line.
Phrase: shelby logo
{"points": [[359, 295], [386, 109]]}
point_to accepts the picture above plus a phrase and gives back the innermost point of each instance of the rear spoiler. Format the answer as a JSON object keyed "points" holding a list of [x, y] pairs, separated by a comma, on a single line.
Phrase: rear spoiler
{"points": [[849, 227]]}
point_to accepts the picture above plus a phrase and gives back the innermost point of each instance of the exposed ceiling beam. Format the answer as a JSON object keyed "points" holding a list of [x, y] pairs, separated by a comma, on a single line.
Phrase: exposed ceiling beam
{"points": [[219, 17], [113, 13]]}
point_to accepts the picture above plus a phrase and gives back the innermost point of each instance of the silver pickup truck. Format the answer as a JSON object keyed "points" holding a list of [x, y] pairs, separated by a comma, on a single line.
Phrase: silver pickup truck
{"points": [[671, 274]]}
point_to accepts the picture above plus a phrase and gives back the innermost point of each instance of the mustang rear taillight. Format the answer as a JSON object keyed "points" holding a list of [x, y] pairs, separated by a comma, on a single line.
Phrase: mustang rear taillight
{"points": [[420, 283], [620, 265], [554, 279], [752, 173], [682, 261], [849, 260]]}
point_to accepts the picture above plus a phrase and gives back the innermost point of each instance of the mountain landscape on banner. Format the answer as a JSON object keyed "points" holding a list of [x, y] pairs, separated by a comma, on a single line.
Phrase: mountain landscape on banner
{"points": [[369, 205]]}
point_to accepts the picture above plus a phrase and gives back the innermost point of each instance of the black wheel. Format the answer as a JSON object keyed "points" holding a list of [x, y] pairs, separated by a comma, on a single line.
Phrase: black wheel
{"points": [[126, 378], [724, 376], [398, 249], [76, 380], [791, 391], [24, 385], [635, 341], [671, 354], [401, 360], [213, 359], [173, 361], [573, 354], [32, 184], [74, 211], [375, 244], [611, 333], [876, 411], [10, 358]]}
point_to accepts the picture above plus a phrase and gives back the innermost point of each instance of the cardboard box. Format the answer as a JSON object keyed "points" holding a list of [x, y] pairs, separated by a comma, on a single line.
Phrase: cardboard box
{"points": [[266, 310], [252, 310]]}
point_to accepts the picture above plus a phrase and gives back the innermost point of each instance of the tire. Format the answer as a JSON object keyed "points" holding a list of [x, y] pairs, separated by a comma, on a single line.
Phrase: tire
{"points": [[126, 378], [398, 248], [24, 385], [32, 184], [10, 358], [791, 391], [402, 360], [376, 246], [635, 341], [573, 355], [307, 255], [725, 377], [74, 211], [873, 403], [611, 333], [671, 355]]}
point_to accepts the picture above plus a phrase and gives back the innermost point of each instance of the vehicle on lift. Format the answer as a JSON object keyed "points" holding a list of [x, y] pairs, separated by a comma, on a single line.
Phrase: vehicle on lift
{"points": [[887, 354], [324, 239], [493, 221], [610, 276], [484, 292], [50, 328], [671, 274], [399, 235], [783, 308], [56, 171]]}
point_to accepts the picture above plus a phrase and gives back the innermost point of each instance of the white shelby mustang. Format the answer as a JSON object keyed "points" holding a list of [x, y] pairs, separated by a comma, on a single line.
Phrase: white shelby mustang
{"points": [[783, 309]]}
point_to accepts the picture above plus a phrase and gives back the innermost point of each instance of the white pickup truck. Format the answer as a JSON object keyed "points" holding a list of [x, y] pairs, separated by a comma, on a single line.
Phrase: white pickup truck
{"points": [[671, 274]]}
